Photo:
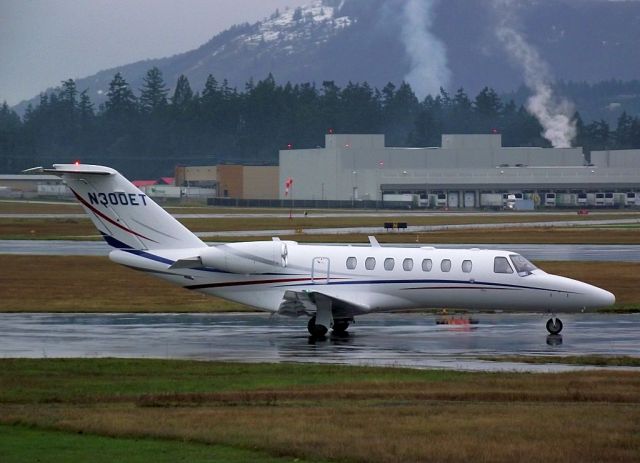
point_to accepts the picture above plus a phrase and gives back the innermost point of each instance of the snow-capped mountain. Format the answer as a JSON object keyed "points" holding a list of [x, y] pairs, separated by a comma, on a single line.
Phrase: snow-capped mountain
{"points": [[366, 40]]}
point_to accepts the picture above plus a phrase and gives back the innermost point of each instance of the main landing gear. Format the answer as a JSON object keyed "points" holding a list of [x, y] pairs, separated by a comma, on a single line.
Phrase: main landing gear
{"points": [[554, 325], [317, 330]]}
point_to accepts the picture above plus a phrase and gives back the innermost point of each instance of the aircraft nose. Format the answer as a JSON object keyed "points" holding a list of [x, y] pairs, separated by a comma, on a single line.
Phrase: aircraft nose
{"points": [[606, 298], [598, 297]]}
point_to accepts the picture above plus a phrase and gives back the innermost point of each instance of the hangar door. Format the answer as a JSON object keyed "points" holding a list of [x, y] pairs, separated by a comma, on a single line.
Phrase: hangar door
{"points": [[469, 199], [452, 199]]}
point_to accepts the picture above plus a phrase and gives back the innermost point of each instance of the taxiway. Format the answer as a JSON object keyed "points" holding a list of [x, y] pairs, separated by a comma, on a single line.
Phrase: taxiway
{"points": [[407, 340]]}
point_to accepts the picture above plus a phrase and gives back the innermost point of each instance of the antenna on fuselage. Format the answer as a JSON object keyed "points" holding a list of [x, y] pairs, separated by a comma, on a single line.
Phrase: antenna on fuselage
{"points": [[374, 242]]}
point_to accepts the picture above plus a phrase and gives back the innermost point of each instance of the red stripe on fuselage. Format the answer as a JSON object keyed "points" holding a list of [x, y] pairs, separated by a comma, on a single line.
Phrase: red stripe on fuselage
{"points": [[252, 282]]}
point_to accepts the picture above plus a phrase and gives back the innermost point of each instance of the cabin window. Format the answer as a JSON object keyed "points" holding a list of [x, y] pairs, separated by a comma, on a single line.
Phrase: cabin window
{"points": [[501, 265], [407, 265], [522, 265], [351, 263], [445, 265], [370, 263], [426, 265], [466, 266], [389, 263]]}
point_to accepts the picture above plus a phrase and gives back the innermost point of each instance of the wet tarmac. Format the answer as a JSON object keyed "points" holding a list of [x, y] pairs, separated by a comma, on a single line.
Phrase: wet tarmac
{"points": [[401, 340], [571, 252]]}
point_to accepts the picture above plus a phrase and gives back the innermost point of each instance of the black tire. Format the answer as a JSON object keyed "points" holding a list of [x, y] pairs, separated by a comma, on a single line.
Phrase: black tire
{"points": [[340, 326], [317, 331], [311, 325], [554, 326]]}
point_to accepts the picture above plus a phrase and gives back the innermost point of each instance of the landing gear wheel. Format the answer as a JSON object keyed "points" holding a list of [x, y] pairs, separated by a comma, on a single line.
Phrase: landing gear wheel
{"points": [[554, 325], [317, 331], [340, 326]]}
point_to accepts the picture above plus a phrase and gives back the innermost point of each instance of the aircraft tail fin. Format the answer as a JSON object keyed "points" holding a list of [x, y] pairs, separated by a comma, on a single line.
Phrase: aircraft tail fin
{"points": [[124, 215]]}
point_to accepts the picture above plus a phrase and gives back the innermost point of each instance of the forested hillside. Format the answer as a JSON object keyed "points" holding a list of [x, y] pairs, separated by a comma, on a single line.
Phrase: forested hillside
{"points": [[367, 41], [147, 134]]}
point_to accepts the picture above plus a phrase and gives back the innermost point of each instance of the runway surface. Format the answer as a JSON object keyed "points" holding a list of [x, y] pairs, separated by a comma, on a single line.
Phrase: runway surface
{"points": [[403, 340], [570, 252]]}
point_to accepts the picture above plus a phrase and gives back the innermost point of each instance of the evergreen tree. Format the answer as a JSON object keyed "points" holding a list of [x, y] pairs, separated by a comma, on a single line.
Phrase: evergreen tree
{"points": [[85, 107], [598, 133], [580, 139], [329, 106], [10, 128], [635, 133], [120, 98], [69, 93], [211, 93], [488, 103], [225, 124], [399, 110], [623, 134], [461, 115], [361, 109], [182, 95], [153, 94]]}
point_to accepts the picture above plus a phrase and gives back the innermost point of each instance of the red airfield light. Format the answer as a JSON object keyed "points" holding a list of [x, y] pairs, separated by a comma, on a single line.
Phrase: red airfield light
{"points": [[77, 163]]}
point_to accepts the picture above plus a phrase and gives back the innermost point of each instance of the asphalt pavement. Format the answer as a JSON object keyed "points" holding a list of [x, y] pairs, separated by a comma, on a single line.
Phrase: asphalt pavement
{"points": [[402, 340]]}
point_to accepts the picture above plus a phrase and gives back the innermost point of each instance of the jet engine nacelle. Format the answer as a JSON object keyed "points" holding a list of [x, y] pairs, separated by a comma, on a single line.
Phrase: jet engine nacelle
{"points": [[246, 258]]}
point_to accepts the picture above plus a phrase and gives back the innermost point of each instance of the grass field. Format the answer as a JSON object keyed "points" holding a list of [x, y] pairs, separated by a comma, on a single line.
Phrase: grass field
{"points": [[19, 444], [72, 207], [327, 412], [94, 284]]}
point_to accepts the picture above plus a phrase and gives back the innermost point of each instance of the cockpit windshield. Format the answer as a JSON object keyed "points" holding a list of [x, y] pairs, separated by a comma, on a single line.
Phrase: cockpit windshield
{"points": [[522, 265]]}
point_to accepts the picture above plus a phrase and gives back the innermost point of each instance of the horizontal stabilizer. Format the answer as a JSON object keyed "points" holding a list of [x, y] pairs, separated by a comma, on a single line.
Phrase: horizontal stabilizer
{"points": [[83, 169], [33, 170]]}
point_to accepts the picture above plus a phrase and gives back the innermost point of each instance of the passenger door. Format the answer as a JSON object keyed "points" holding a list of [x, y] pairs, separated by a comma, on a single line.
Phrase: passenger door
{"points": [[320, 270]]}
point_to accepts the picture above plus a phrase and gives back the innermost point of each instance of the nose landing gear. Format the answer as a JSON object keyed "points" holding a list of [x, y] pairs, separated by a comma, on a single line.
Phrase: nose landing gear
{"points": [[554, 325]]}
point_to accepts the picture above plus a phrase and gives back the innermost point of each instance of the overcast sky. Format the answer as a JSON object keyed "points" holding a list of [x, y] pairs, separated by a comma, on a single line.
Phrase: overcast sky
{"points": [[45, 41]]}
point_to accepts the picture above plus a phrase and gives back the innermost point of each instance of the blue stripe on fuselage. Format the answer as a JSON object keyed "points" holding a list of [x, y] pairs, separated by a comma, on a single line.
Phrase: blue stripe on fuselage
{"points": [[479, 284]]}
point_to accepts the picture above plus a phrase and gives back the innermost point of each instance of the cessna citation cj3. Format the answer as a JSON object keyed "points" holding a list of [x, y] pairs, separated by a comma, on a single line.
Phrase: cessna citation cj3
{"points": [[329, 284]]}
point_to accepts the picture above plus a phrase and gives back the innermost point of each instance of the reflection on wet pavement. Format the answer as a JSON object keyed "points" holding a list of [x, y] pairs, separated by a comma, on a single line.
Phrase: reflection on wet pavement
{"points": [[408, 340]]}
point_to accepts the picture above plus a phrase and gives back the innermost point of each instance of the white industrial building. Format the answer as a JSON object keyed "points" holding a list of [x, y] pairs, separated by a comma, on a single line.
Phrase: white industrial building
{"points": [[32, 186], [466, 171]]}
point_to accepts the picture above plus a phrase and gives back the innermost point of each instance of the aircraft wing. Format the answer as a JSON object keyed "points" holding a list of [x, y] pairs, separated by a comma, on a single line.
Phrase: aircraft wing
{"points": [[296, 303]]}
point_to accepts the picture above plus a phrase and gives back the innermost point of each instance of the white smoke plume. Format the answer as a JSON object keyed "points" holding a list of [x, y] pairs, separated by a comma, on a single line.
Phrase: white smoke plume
{"points": [[554, 114], [429, 70]]}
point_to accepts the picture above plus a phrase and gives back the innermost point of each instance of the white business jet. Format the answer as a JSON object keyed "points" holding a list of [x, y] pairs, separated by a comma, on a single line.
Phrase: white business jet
{"points": [[329, 284]]}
